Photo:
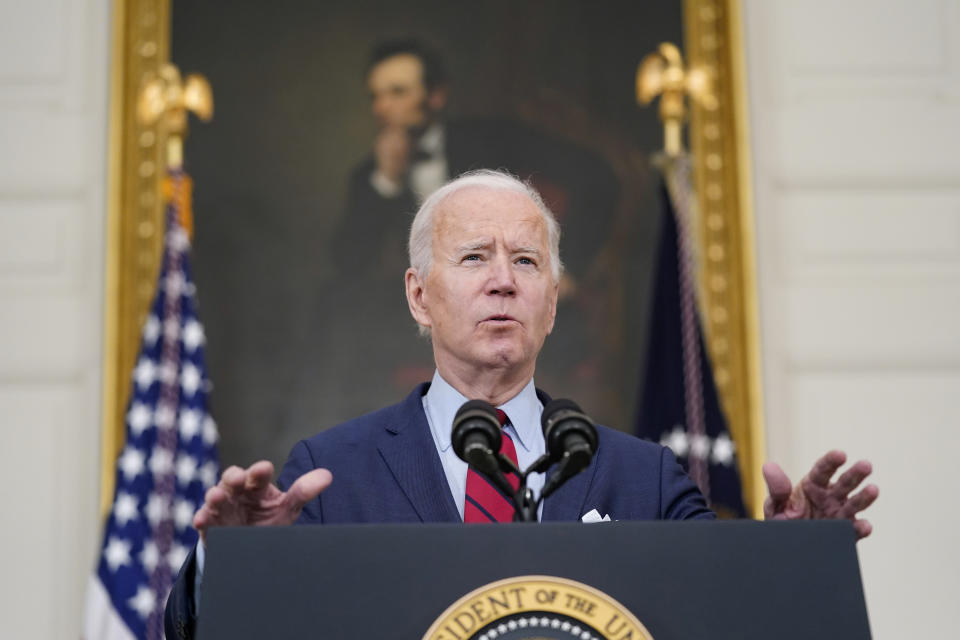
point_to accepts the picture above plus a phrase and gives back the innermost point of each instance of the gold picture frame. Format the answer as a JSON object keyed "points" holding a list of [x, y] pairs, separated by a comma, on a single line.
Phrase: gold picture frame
{"points": [[720, 147], [718, 137]]}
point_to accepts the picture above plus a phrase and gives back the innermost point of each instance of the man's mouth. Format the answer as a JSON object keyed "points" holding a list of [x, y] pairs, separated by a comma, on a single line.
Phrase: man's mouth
{"points": [[500, 319]]}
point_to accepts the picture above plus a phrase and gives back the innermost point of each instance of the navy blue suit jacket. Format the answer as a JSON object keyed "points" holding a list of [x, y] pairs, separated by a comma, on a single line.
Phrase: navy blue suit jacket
{"points": [[386, 469]]}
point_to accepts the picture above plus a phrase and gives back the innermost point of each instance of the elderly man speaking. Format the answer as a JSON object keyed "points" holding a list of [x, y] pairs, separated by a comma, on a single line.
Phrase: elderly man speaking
{"points": [[483, 277]]}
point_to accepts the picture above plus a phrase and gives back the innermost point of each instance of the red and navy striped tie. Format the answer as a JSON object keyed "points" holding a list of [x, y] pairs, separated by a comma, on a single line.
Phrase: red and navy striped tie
{"points": [[485, 502]]}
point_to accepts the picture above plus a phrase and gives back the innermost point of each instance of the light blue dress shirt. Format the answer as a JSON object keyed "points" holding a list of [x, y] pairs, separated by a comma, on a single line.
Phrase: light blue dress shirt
{"points": [[441, 403]]}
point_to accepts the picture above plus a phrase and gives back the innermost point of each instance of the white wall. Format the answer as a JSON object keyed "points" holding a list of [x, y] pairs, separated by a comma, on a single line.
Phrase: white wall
{"points": [[855, 112], [54, 69]]}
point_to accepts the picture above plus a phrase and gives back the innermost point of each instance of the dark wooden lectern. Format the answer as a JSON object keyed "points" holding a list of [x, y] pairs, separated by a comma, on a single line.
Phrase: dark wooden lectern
{"points": [[682, 580]]}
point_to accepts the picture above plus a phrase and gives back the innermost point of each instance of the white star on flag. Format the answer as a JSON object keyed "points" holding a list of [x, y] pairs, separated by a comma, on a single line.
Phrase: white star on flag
{"points": [[193, 336], [723, 450], [144, 602], [150, 556], [183, 514], [161, 462], [700, 446], [190, 380], [178, 553], [131, 463], [167, 373], [208, 474], [151, 330], [171, 329], [179, 239], [174, 285], [676, 441], [189, 423], [117, 553], [158, 508], [186, 469], [145, 373], [139, 418], [165, 416], [125, 508], [210, 431]]}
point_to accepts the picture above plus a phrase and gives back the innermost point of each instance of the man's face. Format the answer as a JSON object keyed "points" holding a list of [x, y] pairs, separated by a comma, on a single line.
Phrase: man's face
{"points": [[489, 298], [397, 93]]}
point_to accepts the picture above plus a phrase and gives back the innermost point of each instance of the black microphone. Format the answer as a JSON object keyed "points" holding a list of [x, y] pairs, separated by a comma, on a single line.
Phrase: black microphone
{"points": [[571, 440], [476, 436]]}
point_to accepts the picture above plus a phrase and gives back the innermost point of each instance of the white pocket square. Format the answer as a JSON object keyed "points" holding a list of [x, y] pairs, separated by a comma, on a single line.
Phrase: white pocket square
{"points": [[594, 516]]}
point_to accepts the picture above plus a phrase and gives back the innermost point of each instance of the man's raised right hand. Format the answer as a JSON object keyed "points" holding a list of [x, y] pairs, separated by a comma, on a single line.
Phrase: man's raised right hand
{"points": [[248, 497], [392, 149]]}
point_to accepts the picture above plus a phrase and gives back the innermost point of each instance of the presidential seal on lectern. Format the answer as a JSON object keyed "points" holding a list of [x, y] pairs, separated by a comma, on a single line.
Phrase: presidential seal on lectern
{"points": [[537, 608]]}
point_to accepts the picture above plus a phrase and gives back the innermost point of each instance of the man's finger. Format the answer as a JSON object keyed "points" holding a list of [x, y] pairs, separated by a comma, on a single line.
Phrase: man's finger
{"points": [[779, 488], [851, 479], [232, 481], [824, 468], [200, 524], [201, 519], [306, 488], [860, 501], [217, 507], [258, 476], [862, 528], [215, 496], [205, 517]]}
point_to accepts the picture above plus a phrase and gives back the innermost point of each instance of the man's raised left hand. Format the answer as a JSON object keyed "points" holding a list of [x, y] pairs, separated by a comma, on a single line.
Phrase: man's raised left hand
{"points": [[816, 497]]}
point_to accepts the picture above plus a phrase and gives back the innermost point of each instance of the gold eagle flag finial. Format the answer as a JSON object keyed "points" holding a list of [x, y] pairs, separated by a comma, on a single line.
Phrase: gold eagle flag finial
{"points": [[164, 101], [663, 74]]}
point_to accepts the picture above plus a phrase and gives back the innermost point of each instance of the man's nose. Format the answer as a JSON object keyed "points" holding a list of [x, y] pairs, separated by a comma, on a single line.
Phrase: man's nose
{"points": [[502, 280]]}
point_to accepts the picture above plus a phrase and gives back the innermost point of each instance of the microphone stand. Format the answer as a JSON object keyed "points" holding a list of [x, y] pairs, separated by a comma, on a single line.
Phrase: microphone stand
{"points": [[525, 506], [566, 429]]}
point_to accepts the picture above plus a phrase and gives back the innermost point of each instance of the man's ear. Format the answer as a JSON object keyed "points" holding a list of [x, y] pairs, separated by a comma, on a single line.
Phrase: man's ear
{"points": [[416, 294], [553, 307]]}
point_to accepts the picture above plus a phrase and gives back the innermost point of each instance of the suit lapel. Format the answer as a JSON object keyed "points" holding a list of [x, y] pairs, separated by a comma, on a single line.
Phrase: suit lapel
{"points": [[567, 502], [411, 455]]}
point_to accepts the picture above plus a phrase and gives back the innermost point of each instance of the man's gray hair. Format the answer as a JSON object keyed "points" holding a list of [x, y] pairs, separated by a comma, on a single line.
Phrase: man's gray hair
{"points": [[421, 231]]}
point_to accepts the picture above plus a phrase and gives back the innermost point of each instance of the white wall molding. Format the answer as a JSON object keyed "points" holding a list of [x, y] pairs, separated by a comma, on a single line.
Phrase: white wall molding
{"points": [[54, 67], [853, 109], [47, 58]]}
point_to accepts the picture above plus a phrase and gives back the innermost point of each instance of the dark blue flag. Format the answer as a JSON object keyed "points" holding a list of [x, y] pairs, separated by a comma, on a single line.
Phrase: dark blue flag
{"points": [[679, 406], [169, 460]]}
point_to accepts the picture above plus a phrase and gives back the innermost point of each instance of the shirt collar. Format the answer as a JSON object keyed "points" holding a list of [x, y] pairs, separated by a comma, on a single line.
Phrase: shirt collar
{"points": [[444, 401], [431, 142]]}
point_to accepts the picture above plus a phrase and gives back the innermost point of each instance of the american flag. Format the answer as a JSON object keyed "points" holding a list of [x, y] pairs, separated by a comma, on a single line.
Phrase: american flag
{"points": [[167, 464], [681, 408]]}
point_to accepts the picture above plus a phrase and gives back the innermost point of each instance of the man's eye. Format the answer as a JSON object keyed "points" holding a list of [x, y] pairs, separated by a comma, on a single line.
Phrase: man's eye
{"points": [[526, 261], [471, 257]]}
